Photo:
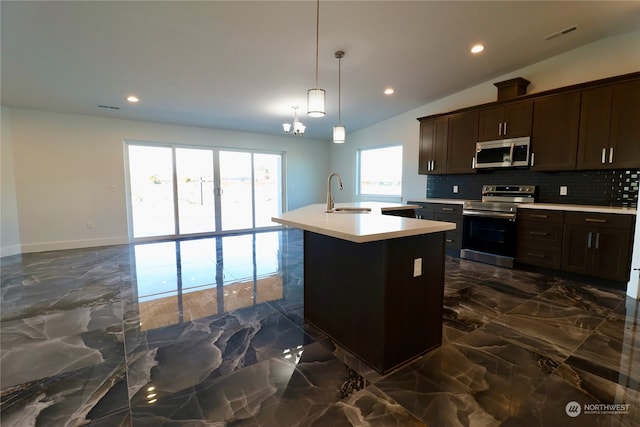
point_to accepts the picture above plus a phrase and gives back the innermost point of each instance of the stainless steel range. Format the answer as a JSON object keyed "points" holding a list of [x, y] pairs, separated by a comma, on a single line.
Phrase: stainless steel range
{"points": [[489, 227]]}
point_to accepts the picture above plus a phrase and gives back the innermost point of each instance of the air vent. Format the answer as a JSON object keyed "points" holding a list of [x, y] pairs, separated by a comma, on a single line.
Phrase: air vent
{"points": [[561, 32], [109, 107]]}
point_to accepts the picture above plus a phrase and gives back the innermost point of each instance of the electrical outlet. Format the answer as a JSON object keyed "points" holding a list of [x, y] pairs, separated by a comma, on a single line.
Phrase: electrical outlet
{"points": [[455, 189], [563, 190], [417, 267]]}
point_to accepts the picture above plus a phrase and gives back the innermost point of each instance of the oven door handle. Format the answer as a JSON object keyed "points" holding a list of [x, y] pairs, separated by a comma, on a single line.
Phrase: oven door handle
{"points": [[487, 214]]}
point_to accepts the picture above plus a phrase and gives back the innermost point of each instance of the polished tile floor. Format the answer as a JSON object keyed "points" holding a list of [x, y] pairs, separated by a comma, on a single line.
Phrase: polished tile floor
{"points": [[210, 332]]}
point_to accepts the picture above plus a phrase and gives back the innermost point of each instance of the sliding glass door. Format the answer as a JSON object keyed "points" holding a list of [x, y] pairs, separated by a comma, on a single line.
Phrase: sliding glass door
{"points": [[195, 183], [186, 191]]}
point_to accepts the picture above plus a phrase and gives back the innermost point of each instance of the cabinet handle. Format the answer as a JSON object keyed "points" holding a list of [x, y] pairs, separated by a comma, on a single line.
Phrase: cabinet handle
{"points": [[447, 209], [538, 233], [539, 216], [533, 159], [611, 155], [598, 220], [604, 156], [448, 240], [505, 128], [536, 255], [589, 241], [597, 240], [473, 163], [500, 128]]}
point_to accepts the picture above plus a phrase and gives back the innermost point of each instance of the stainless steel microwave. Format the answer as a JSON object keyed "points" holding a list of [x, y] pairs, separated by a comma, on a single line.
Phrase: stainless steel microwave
{"points": [[503, 153]]}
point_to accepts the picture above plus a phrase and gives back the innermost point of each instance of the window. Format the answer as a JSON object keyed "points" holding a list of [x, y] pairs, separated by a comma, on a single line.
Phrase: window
{"points": [[380, 171]]}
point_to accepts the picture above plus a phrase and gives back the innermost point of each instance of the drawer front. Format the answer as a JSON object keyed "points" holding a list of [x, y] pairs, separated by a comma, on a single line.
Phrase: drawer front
{"points": [[600, 220], [445, 208], [453, 241], [531, 232], [539, 255], [541, 215]]}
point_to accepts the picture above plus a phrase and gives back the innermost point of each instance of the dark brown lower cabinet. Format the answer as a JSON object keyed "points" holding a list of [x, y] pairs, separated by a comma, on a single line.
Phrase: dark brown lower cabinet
{"points": [[448, 212], [367, 297], [598, 245], [540, 238]]}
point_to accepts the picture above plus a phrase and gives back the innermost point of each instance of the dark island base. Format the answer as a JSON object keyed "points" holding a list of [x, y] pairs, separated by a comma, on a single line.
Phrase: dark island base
{"points": [[364, 295]]}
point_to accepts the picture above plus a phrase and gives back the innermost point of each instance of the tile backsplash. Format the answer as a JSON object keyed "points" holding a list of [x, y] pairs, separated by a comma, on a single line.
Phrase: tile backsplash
{"points": [[603, 188]]}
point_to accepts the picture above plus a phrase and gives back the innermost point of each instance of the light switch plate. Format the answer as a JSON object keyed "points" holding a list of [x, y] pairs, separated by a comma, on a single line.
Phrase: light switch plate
{"points": [[563, 190], [455, 189], [417, 267]]}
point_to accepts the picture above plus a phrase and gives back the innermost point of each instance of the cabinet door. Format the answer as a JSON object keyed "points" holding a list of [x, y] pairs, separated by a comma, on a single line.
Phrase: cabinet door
{"points": [[461, 146], [508, 121], [595, 126], [625, 126], [426, 146], [490, 124], [611, 253], [439, 164], [554, 137], [432, 157], [576, 254], [517, 119]]}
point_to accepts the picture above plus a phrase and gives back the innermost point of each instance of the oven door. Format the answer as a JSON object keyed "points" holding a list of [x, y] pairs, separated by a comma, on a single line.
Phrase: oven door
{"points": [[489, 234]]}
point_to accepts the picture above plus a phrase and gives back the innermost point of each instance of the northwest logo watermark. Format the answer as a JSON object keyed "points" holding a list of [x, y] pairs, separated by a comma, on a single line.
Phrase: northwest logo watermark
{"points": [[573, 409]]}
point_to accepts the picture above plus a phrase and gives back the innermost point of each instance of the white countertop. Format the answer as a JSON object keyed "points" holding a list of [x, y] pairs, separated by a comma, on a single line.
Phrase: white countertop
{"points": [[360, 227], [578, 208], [445, 201], [549, 206]]}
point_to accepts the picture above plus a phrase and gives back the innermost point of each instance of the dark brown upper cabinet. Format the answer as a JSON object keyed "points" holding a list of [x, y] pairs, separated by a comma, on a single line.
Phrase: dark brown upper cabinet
{"points": [[554, 136], [610, 127], [505, 121], [461, 145], [432, 157]]}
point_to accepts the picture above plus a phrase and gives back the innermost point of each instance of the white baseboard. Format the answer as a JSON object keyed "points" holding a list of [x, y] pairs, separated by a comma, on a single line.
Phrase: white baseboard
{"points": [[73, 244]]}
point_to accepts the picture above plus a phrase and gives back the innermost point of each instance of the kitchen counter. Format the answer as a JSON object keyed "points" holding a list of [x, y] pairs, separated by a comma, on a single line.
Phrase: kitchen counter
{"points": [[360, 227], [549, 206], [373, 282], [579, 208]]}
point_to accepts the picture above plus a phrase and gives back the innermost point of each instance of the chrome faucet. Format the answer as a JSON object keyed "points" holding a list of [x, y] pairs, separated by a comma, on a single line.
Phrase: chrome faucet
{"points": [[330, 203]]}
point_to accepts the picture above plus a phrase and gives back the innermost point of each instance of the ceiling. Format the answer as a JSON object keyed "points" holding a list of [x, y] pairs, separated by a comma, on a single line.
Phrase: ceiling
{"points": [[242, 65]]}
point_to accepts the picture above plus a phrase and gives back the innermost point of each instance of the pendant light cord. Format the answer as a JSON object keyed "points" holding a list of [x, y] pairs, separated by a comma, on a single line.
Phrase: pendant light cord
{"points": [[339, 87], [317, 37]]}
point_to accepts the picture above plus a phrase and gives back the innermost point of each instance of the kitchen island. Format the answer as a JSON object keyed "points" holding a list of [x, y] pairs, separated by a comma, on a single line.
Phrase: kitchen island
{"points": [[373, 282]]}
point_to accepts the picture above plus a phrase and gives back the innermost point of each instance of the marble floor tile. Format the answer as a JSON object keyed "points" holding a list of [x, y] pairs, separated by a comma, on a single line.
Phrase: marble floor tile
{"points": [[211, 332]]}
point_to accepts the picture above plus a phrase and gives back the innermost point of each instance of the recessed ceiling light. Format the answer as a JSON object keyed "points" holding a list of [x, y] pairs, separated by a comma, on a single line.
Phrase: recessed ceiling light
{"points": [[133, 98], [389, 91], [477, 48]]}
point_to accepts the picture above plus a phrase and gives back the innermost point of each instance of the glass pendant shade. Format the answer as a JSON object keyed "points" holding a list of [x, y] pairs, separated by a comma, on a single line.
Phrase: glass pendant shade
{"points": [[286, 127], [315, 102], [339, 134]]}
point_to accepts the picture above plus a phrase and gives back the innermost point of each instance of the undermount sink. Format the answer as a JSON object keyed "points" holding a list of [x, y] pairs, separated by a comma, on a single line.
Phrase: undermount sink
{"points": [[351, 210]]}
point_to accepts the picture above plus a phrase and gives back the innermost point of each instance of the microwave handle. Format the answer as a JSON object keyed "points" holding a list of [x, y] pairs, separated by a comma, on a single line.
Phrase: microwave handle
{"points": [[513, 145], [533, 159]]}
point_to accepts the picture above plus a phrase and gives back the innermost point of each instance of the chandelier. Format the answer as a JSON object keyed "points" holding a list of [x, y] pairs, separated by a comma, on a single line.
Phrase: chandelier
{"points": [[296, 127]]}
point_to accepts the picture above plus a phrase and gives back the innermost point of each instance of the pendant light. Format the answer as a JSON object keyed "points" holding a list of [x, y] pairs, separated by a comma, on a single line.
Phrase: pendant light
{"points": [[316, 96], [339, 132]]}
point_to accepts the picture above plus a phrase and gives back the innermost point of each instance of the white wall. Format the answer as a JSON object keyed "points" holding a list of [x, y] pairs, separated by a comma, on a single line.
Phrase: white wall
{"points": [[65, 166], [605, 58], [9, 231]]}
